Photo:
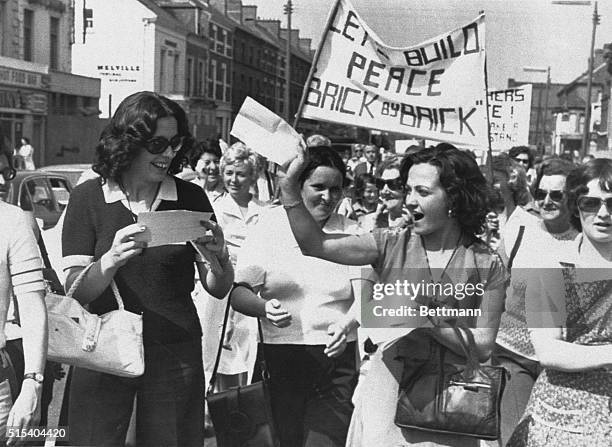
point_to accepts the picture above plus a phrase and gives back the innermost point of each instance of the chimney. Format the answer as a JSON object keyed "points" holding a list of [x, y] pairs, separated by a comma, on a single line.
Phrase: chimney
{"points": [[219, 5], [249, 13], [295, 36], [273, 26], [305, 45], [234, 10]]}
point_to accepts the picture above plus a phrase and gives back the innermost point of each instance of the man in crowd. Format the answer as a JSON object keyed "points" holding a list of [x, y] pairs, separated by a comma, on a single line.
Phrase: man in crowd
{"points": [[372, 163]]}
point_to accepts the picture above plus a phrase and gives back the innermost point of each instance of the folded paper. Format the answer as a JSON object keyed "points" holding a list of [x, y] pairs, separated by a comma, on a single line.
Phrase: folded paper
{"points": [[265, 132], [171, 227]]}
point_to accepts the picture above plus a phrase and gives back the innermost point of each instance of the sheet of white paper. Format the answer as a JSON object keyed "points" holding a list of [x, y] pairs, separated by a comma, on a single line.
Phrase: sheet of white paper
{"points": [[171, 227], [265, 132]]}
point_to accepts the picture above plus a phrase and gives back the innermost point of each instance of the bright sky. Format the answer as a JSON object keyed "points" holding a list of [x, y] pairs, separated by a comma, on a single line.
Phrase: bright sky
{"points": [[519, 33]]}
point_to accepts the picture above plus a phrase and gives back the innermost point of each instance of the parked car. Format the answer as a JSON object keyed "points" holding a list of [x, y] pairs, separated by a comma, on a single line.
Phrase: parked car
{"points": [[72, 171], [42, 193]]}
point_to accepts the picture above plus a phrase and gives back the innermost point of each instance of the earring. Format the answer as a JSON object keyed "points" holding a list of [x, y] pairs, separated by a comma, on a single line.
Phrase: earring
{"points": [[451, 214]]}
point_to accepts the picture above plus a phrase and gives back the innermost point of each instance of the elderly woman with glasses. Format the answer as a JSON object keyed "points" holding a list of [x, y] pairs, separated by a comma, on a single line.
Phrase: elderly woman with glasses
{"points": [[549, 237], [569, 313], [139, 151]]}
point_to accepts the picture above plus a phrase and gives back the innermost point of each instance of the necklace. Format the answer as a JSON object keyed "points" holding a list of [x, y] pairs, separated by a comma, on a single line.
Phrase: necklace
{"points": [[127, 199], [447, 262]]}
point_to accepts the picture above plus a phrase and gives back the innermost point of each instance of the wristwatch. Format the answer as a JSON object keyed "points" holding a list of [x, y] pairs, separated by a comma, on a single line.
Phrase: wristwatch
{"points": [[37, 377]]}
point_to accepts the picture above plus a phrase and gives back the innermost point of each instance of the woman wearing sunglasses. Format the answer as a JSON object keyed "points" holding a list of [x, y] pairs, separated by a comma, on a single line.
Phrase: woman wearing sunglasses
{"points": [[548, 237], [447, 197], [391, 212], [142, 146], [569, 311]]}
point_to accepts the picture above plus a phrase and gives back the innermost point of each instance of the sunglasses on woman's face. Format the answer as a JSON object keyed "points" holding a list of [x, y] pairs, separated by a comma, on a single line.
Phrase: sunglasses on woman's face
{"points": [[157, 145], [588, 204], [556, 195], [394, 183]]}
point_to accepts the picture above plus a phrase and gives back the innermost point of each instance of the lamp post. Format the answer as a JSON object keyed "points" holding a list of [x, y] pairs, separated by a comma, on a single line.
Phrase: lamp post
{"points": [[540, 137], [587, 108], [288, 8]]}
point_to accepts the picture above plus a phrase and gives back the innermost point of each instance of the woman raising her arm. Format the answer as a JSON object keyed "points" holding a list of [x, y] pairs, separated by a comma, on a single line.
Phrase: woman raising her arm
{"points": [[447, 197]]}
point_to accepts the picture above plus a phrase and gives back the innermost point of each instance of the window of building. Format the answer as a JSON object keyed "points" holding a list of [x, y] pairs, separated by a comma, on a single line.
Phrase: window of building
{"points": [[219, 81], [162, 70], [212, 31], [28, 34], [201, 78], [228, 45], [88, 17], [54, 43], [175, 73], [212, 72], [189, 77]]}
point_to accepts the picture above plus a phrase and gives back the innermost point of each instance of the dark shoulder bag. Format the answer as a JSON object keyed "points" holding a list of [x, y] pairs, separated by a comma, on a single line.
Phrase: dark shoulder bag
{"points": [[242, 416], [451, 394]]}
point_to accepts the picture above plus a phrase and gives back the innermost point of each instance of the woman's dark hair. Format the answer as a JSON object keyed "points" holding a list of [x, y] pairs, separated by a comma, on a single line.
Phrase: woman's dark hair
{"points": [[323, 156], [576, 184], [517, 150], [553, 166], [462, 180], [200, 148], [132, 125], [26, 139], [361, 182]]}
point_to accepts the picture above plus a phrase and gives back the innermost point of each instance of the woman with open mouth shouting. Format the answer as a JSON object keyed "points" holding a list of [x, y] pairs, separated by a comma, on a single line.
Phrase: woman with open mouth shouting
{"points": [[447, 196]]}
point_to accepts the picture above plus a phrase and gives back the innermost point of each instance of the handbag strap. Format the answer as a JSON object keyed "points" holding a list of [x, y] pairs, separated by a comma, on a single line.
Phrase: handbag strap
{"points": [[468, 344], [516, 246], [79, 279], [264, 367]]}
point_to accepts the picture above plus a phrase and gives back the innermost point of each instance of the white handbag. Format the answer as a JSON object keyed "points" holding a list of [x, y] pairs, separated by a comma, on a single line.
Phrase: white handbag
{"points": [[109, 343]]}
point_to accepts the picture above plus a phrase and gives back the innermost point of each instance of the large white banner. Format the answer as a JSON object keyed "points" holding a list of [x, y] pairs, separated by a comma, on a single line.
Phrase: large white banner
{"points": [[509, 115], [433, 90]]}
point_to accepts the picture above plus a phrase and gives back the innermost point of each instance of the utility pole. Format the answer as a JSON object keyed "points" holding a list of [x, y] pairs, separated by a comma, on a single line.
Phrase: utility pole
{"points": [[288, 10], [587, 110], [544, 130]]}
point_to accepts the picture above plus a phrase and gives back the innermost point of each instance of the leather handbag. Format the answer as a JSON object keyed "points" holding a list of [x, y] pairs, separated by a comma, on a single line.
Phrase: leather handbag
{"points": [[448, 393], [109, 343], [242, 416]]}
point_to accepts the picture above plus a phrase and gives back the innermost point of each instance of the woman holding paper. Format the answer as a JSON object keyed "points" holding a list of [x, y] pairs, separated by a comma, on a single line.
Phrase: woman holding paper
{"points": [[309, 337], [142, 146], [447, 197]]}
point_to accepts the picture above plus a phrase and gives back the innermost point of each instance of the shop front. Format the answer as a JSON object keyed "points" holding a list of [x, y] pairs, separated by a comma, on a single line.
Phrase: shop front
{"points": [[23, 106]]}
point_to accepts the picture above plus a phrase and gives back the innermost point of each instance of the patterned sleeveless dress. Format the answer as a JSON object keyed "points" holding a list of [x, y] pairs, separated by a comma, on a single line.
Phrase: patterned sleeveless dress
{"points": [[574, 409]]}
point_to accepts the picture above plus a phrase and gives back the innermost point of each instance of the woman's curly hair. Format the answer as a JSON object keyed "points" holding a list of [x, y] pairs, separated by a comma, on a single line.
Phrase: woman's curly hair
{"points": [[133, 124], [599, 169], [465, 186]]}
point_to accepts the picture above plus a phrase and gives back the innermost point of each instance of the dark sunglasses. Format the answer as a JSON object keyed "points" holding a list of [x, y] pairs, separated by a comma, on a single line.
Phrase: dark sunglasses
{"points": [[522, 160], [8, 174], [589, 204], [157, 145], [394, 184], [556, 195]]}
